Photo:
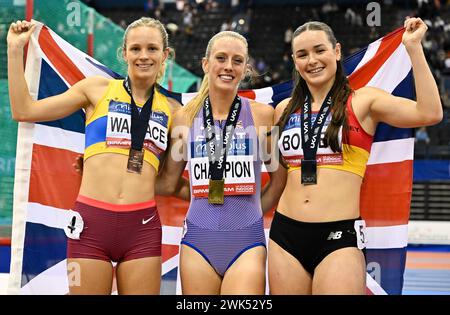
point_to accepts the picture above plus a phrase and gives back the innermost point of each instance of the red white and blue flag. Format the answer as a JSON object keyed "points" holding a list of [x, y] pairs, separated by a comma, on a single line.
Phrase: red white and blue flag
{"points": [[46, 184]]}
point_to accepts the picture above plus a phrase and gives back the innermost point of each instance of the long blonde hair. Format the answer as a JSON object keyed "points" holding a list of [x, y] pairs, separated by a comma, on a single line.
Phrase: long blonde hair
{"points": [[149, 22], [191, 109]]}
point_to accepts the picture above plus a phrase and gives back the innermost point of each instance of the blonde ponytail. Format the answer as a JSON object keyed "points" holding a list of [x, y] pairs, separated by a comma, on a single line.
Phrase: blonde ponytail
{"points": [[191, 109]]}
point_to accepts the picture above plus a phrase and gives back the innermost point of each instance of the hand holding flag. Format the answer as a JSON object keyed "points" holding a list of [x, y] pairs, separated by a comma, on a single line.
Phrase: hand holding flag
{"points": [[19, 34], [415, 30], [45, 192]]}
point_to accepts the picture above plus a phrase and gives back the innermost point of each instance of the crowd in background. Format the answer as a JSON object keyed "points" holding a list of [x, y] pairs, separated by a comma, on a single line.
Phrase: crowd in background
{"points": [[183, 20]]}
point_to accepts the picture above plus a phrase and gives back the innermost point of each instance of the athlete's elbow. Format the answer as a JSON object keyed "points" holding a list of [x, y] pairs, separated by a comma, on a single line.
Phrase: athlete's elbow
{"points": [[435, 117], [19, 117], [170, 190], [164, 188], [439, 115], [23, 118], [21, 113]]}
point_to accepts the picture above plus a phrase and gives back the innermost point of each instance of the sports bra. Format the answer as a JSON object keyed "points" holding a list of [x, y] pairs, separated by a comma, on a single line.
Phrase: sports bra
{"points": [[355, 149], [108, 130]]}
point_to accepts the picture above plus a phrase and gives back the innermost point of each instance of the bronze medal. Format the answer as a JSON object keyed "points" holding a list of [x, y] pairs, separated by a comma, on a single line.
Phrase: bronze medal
{"points": [[216, 191], [309, 172], [135, 161]]}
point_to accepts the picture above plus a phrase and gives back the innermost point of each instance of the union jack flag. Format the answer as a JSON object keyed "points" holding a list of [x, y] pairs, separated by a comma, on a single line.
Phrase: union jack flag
{"points": [[46, 184]]}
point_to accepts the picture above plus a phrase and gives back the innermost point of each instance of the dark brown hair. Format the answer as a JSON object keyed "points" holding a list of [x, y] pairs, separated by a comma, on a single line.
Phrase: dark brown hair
{"points": [[339, 92]]}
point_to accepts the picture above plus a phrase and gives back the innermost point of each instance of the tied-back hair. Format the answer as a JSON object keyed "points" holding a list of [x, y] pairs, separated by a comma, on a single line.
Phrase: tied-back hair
{"points": [[149, 22], [340, 92], [191, 109]]}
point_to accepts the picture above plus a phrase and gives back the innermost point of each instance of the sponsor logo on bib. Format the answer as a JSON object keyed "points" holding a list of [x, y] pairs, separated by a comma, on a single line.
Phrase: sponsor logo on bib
{"points": [[118, 130], [290, 144]]}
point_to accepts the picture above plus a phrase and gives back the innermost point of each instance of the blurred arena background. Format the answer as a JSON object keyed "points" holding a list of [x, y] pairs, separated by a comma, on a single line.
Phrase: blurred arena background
{"points": [[268, 26]]}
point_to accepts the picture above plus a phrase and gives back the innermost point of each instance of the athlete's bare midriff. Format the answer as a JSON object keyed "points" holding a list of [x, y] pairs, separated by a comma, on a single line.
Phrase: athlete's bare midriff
{"points": [[335, 196], [105, 178]]}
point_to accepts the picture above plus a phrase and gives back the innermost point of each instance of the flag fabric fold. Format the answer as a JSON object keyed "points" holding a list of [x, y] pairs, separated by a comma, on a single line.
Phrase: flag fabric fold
{"points": [[46, 184]]}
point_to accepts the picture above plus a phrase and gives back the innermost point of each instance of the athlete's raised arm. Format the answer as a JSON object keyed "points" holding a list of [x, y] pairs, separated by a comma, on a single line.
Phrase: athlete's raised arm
{"points": [[23, 107]]}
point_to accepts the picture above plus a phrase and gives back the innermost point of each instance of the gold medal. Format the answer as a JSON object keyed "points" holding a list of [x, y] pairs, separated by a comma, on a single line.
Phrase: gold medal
{"points": [[216, 191], [135, 161]]}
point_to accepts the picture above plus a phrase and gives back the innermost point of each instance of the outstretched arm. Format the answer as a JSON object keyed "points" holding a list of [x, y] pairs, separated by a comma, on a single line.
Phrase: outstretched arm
{"points": [[23, 108], [401, 112]]}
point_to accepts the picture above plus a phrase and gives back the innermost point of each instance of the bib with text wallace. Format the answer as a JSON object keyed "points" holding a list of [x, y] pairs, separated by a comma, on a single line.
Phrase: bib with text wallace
{"points": [[118, 130], [290, 143]]}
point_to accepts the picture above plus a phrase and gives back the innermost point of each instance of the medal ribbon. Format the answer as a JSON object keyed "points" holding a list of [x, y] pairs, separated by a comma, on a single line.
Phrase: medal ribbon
{"points": [[217, 158], [139, 119], [310, 136]]}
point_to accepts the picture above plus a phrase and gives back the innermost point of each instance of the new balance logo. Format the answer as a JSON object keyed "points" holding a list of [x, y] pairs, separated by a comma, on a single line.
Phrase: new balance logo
{"points": [[148, 220], [334, 235]]}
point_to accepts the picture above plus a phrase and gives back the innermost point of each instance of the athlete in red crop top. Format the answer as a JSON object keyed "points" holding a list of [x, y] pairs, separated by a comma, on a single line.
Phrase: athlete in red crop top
{"points": [[316, 237]]}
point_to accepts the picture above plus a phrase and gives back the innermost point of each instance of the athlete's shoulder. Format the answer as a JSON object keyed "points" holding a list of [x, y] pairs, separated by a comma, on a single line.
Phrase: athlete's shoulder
{"points": [[261, 108], [96, 81], [365, 96], [367, 92], [174, 105], [279, 109], [282, 105], [180, 117], [263, 112]]}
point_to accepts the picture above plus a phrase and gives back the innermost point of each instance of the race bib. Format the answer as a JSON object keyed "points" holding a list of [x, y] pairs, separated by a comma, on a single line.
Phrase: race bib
{"points": [[184, 229], [360, 228], [74, 225], [118, 129], [290, 144], [239, 173]]}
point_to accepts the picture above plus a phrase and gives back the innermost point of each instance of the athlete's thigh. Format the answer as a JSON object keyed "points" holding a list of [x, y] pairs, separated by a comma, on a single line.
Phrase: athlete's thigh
{"points": [[197, 275], [247, 275], [341, 272], [286, 274], [139, 276], [89, 276]]}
